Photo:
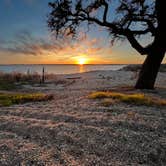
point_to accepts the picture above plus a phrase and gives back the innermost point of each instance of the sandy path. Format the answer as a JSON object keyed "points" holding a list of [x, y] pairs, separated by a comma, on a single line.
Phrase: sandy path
{"points": [[74, 130]]}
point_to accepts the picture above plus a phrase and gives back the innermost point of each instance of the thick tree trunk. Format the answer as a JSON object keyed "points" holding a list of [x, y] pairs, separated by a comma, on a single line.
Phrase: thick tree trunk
{"points": [[152, 63], [150, 68]]}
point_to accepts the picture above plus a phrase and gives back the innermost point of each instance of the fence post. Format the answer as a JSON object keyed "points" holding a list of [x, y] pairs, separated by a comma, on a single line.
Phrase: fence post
{"points": [[43, 75]]}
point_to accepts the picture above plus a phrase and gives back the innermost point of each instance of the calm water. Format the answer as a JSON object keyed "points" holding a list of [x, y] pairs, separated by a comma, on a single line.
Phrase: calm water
{"points": [[57, 69]]}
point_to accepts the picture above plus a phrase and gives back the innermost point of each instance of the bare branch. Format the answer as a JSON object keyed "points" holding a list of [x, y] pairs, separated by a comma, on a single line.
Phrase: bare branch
{"points": [[135, 18], [105, 11], [135, 44]]}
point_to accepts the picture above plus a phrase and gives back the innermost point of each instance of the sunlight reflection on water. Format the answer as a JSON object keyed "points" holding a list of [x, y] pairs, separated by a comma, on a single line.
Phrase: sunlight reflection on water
{"points": [[81, 68]]}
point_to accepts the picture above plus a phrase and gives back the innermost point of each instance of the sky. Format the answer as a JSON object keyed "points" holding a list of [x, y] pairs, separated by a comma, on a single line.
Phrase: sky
{"points": [[26, 39]]}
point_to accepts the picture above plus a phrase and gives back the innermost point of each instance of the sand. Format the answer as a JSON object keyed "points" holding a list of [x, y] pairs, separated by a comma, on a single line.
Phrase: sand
{"points": [[74, 130]]}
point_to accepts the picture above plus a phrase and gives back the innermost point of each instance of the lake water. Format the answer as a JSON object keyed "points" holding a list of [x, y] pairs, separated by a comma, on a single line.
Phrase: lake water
{"points": [[57, 69]]}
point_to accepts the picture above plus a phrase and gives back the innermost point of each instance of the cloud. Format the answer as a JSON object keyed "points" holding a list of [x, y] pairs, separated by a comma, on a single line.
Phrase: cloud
{"points": [[25, 43], [28, 48]]}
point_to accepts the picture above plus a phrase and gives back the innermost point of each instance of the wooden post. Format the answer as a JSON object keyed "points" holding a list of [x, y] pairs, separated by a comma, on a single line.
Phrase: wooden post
{"points": [[43, 75]]}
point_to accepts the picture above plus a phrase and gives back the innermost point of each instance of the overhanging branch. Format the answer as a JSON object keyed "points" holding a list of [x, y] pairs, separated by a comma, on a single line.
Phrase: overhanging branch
{"points": [[105, 11], [135, 44]]}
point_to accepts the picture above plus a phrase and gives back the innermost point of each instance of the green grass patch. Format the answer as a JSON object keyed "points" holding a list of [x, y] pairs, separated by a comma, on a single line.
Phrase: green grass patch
{"points": [[5, 85], [10, 99], [136, 98]]}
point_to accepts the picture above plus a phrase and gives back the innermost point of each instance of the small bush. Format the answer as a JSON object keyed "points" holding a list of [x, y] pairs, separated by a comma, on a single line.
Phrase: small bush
{"points": [[10, 99], [137, 98]]}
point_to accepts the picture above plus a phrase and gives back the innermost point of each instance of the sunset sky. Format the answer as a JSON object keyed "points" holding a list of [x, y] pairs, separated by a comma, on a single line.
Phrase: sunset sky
{"points": [[25, 39]]}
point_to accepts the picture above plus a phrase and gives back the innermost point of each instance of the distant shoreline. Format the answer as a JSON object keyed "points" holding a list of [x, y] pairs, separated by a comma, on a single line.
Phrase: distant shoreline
{"points": [[66, 64], [137, 67]]}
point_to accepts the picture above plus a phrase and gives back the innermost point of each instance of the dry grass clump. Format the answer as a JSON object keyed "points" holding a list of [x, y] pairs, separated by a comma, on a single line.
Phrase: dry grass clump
{"points": [[10, 81], [14, 80], [10, 99], [136, 98], [20, 77]]}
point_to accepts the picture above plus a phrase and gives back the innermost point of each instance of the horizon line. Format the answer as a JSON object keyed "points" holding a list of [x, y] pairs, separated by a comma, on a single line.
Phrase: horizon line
{"points": [[72, 64], [76, 64]]}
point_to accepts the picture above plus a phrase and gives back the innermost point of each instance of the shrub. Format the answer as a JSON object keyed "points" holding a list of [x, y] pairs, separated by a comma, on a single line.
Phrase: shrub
{"points": [[9, 99], [137, 98]]}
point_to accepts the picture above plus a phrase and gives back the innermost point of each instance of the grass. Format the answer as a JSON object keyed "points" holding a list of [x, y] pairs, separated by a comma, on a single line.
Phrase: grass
{"points": [[10, 99], [15, 80], [137, 98], [5, 85]]}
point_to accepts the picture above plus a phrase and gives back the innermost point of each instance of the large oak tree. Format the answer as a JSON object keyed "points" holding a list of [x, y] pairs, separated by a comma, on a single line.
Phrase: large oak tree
{"points": [[133, 19]]}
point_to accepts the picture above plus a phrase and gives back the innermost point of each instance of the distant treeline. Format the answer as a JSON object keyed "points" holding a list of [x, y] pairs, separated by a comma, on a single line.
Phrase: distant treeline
{"points": [[136, 67]]}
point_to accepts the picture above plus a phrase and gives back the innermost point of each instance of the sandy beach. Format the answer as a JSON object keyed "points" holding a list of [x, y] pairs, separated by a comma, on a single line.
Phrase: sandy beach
{"points": [[82, 83], [74, 130]]}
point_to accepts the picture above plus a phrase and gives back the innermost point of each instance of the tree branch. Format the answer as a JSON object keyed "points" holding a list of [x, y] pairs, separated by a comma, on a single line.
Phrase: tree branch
{"points": [[67, 14], [140, 32], [135, 44], [105, 11], [103, 23], [151, 27]]}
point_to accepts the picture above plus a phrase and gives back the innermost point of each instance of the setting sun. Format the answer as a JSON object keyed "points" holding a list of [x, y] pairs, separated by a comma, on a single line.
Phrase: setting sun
{"points": [[82, 61]]}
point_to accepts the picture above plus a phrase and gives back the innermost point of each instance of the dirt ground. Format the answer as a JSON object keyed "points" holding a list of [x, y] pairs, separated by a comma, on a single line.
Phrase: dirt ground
{"points": [[72, 130]]}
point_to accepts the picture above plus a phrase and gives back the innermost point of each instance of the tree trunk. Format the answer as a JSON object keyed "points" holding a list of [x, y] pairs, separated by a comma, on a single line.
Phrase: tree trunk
{"points": [[150, 68]]}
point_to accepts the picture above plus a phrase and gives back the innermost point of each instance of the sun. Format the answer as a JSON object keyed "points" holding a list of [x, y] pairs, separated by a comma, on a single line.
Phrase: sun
{"points": [[82, 61]]}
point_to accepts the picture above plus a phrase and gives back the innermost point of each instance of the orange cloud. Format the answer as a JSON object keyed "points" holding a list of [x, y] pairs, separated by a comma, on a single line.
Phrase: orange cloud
{"points": [[26, 45]]}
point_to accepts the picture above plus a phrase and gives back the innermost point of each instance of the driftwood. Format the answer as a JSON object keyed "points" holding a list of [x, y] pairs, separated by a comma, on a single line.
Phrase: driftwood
{"points": [[73, 78]]}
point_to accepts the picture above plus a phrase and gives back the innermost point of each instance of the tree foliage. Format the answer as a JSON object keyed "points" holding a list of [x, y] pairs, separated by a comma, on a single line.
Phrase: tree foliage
{"points": [[131, 18]]}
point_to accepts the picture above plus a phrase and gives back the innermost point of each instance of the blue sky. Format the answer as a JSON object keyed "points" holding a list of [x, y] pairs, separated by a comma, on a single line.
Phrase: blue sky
{"points": [[23, 20], [19, 15]]}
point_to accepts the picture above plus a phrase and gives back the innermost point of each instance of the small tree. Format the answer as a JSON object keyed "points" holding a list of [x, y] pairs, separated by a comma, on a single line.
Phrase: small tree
{"points": [[133, 19]]}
